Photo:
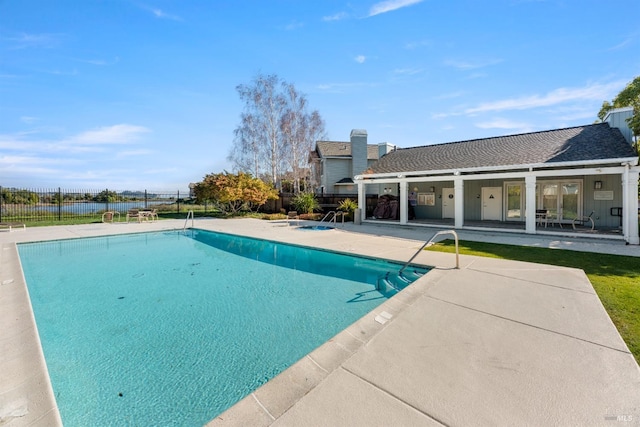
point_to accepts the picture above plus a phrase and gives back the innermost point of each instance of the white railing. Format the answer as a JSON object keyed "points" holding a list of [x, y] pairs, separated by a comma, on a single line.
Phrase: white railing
{"points": [[189, 214], [332, 217], [429, 243]]}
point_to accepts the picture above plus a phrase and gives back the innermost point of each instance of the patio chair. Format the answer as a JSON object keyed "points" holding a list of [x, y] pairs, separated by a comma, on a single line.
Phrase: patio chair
{"points": [[109, 216], [149, 214], [12, 225], [134, 213], [553, 218], [584, 221], [542, 215]]}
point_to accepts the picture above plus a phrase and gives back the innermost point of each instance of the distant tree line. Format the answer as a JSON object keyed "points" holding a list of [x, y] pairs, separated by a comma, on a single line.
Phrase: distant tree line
{"points": [[30, 197]]}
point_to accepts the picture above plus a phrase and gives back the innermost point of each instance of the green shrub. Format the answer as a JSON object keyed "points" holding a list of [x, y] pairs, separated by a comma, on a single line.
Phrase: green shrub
{"points": [[348, 205], [305, 203], [274, 216]]}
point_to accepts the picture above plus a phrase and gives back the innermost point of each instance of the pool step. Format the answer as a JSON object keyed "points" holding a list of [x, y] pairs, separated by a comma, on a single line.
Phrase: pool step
{"points": [[393, 282]]}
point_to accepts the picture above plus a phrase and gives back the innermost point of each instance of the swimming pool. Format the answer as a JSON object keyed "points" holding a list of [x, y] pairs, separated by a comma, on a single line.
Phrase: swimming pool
{"points": [[316, 227], [147, 329]]}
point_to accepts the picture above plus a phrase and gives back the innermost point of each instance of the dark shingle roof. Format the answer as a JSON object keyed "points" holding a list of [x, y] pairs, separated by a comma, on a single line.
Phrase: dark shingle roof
{"points": [[345, 181], [582, 143], [343, 149]]}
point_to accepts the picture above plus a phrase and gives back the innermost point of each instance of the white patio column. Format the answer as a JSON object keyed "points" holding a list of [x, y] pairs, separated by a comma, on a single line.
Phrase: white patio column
{"points": [[404, 202], [458, 193], [530, 204], [362, 200], [630, 204]]}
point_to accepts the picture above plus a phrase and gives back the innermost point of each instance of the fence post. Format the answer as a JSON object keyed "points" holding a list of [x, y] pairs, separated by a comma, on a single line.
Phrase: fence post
{"points": [[59, 204], [107, 200], [1, 202], [145, 199], [178, 201]]}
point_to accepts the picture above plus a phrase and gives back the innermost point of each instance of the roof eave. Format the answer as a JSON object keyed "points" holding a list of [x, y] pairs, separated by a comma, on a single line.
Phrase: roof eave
{"points": [[631, 161]]}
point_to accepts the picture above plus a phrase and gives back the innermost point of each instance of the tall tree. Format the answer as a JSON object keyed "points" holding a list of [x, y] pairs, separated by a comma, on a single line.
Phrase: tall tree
{"points": [[628, 97], [276, 131], [300, 129], [247, 151], [263, 106]]}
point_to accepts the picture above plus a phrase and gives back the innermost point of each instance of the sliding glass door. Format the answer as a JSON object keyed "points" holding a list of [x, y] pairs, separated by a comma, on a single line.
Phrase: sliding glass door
{"points": [[515, 202], [549, 199], [561, 198], [571, 201]]}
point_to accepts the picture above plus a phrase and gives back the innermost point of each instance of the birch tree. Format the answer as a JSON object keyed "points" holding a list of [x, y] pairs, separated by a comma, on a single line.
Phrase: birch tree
{"points": [[293, 126], [260, 123], [276, 131], [248, 151]]}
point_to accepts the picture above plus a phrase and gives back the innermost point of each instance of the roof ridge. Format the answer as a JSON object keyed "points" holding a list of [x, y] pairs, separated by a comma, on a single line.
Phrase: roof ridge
{"points": [[348, 142], [503, 136]]}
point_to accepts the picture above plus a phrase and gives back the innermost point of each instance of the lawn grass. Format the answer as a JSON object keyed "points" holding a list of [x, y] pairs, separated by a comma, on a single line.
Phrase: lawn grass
{"points": [[97, 218], [615, 278]]}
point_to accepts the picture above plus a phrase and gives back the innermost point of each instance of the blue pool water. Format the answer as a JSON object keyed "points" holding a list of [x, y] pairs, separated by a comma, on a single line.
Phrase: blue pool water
{"points": [[172, 329]]}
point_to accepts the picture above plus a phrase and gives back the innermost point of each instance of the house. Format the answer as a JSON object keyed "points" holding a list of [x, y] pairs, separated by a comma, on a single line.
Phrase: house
{"points": [[541, 182], [334, 164]]}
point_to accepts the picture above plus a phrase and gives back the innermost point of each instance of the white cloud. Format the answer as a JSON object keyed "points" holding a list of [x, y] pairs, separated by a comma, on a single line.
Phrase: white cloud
{"points": [[159, 13], [28, 119], [417, 44], [56, 72], [408, 71], [294, 26], [390, 5], [501, 123], [450, 95], [18, 168], [91, 141], [558, 96], [337, 17], [26, 40], [342, 87], [623, 44], [360, 59], [130, 153], [116, 134], [471, 65], [100, 62], [6, 161]]}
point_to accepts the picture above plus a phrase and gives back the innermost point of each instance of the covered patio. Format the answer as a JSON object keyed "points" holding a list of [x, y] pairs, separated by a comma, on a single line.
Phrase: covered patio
{"points": [[581, 180]]}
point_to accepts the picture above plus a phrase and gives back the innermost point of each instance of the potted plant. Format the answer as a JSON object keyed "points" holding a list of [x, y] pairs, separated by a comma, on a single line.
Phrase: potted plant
{"points": [[348, 207]]}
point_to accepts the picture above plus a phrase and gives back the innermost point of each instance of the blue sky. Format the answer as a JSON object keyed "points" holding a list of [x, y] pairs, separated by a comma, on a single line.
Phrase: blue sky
{"points": [[141, 94]]}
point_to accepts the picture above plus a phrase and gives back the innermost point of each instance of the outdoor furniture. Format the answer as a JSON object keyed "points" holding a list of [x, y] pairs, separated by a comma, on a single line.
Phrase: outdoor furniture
{"points": [[542, 216], [149, 214], [584, 221], [554, 218], [110, 215], [11, 225], [134, 213]]}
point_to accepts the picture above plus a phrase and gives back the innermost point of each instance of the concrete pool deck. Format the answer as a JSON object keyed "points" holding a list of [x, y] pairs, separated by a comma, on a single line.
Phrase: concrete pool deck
{"points": [[492, 343]]}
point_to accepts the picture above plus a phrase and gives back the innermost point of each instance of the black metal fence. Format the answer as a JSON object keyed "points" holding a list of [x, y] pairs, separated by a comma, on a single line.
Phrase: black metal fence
{"points": [[31, 205], [26, 205], [327, 202]]}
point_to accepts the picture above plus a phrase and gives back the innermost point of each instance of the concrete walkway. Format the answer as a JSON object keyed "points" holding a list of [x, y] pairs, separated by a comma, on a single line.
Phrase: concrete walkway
{"points": [[492, 343]]}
